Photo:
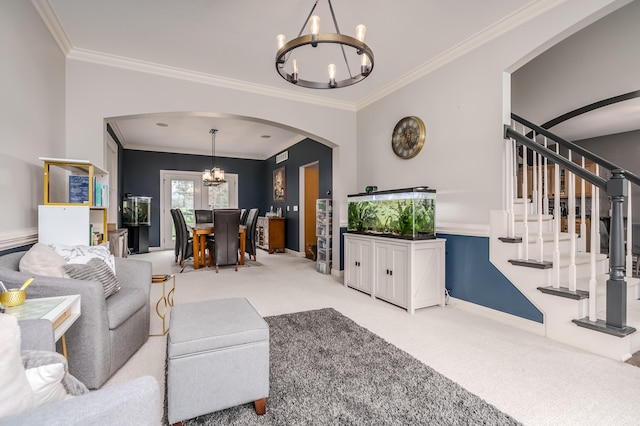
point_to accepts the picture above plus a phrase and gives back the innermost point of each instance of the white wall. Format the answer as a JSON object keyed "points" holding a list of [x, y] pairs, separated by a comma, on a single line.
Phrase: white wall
{"points": [[96, 91], [596, 63], [31, 114], [462, 106]]}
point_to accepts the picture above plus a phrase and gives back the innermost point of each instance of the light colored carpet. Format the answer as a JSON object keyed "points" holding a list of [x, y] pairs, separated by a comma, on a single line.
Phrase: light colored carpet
{"points": [[327, 370], [533, 379]]}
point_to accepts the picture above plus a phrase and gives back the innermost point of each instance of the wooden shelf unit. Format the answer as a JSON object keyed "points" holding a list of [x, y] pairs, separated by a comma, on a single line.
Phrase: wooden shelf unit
{"points": [[57, 192]]}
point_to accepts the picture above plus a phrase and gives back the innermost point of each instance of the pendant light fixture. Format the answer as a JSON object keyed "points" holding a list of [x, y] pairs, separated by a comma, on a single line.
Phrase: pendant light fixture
{"points": [[286, 51], [215, 176]]}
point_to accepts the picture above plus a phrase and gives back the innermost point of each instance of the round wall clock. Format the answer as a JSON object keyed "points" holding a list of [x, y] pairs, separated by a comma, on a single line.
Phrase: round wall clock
{"points": [[408, 137]]}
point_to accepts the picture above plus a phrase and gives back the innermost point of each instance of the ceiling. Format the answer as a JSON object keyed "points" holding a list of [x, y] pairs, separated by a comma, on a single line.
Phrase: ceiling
{"points": [[234, 42]]}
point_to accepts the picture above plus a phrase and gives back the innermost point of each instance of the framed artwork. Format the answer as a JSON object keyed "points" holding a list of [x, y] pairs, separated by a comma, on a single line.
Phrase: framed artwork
{"points": [[279, 184]]}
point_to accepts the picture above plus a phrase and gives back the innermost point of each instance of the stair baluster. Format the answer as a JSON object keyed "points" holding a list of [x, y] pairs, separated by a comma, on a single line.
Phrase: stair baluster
{"points": [[525, 212], [629, 262], [571, 219]]}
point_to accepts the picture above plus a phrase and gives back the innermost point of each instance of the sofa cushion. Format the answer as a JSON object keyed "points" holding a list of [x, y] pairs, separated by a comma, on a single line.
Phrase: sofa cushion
{"points": [[83, 254], [122, 305], [16, 395], [42, 260], [95, 270]]}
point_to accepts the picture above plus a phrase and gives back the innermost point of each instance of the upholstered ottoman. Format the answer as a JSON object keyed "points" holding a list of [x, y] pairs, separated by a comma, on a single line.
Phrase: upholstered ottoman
{"points": [[218, 357]]}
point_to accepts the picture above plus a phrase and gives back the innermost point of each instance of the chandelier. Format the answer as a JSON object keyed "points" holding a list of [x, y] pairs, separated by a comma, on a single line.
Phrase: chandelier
{"points": [[215, 176], [285, 50]]}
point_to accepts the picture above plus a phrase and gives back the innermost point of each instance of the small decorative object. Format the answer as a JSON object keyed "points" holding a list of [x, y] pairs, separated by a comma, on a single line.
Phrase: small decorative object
{"points": [[371, 188], [13, 297], [408, 137], [279, 184]]}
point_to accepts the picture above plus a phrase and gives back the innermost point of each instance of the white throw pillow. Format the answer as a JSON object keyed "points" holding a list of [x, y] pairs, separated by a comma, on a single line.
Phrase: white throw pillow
{"points": [[16, 395], [46, 384], [83, 254], [42, 260]]}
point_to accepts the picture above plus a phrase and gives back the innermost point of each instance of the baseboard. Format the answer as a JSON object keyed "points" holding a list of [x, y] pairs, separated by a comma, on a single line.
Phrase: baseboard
{"points": [[501, 317]]}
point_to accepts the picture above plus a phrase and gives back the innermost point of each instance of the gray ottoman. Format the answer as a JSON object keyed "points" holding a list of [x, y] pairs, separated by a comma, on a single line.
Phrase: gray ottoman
{"points": [[218, 357]]}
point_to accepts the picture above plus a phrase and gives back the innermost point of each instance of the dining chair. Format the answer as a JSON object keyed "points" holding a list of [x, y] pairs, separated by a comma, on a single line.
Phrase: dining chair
{"points": [[203, 216], [243, 216], [186, 241], [223, 250], [176, 226], [252, 221]]}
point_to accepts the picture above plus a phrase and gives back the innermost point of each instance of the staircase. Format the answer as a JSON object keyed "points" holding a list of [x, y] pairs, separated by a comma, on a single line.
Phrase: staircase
{"points": [[565, 274]]}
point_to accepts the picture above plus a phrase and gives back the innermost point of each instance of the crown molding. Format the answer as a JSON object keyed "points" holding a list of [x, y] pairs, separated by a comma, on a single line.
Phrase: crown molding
{"points": [[202, 78], [284, 146], [48, 16], [116, 130], [501, 27]]}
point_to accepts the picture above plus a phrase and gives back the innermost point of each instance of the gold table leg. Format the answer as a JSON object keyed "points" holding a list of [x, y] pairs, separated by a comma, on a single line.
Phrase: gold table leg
{"points": [[165, 301]]}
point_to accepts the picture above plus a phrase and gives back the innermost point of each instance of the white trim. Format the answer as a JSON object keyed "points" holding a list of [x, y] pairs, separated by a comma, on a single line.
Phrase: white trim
{"points": [[203, 78], [468, 229], [501, 317], [48, 16], [501, 27], [13, 239]]}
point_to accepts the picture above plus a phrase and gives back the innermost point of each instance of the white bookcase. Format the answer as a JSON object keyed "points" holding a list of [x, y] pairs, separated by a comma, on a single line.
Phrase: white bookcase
{"points": [[324, 225], [76, 198]]}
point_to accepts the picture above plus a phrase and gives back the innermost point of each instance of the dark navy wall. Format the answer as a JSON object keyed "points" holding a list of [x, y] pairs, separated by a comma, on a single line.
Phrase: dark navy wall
{"points": [[470, 276], [141, 176], [304, 152]]}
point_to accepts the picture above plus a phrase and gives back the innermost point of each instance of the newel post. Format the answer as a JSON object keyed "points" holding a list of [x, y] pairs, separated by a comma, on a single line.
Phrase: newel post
{"points": [[616, 285]]}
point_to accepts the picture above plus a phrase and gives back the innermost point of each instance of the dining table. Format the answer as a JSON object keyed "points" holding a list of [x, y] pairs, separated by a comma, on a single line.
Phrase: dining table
{"points": [[200, 232]]}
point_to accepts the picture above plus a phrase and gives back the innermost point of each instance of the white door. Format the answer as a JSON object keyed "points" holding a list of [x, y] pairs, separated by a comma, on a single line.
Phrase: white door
{"points": [[184, 191]]}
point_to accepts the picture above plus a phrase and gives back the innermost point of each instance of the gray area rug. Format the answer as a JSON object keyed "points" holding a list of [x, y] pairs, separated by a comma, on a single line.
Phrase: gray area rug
{"points": [[328, 370]]}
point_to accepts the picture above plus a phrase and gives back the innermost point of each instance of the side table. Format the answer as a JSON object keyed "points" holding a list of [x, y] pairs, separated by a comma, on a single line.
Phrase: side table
{"points": [[165, 300], [62, 311]]}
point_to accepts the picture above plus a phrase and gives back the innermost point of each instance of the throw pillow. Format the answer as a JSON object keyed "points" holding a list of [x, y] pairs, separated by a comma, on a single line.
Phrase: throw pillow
{"points": [[46, 383], [16, 395], [83, 254], [35, 358], [42, 260], [94, 270]]}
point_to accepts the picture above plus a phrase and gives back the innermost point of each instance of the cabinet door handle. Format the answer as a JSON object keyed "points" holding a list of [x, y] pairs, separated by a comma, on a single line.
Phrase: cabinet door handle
{"points": [[387, 272], [390, 272]]}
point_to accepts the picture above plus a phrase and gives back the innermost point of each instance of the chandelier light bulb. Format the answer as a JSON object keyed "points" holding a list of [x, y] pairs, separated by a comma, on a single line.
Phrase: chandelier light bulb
{"points": [[361, 30], [332, 71], [314, 24], [281, 40], [294, 75]]}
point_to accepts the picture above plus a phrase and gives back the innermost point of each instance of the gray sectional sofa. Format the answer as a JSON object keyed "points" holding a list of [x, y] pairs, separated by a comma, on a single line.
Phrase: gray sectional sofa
{"points": [[109, 331]]}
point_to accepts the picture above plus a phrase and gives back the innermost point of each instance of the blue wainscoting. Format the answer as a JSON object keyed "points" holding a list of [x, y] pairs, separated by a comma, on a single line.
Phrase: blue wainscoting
{"points": [[471, 277]]}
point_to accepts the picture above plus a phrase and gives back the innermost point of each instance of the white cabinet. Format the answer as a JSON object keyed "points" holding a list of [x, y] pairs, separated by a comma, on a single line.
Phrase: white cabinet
{"points": [[358, 263], [407, 273], [391, 273]]}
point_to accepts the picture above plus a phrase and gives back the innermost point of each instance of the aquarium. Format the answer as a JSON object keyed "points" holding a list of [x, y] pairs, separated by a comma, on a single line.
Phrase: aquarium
{"points": [[136, 211], [402, 213]]}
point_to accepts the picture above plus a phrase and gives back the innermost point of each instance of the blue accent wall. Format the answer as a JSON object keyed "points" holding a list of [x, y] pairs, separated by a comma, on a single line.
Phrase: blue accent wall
{"points": [[470, 276], [300, 154], [140, 175]]}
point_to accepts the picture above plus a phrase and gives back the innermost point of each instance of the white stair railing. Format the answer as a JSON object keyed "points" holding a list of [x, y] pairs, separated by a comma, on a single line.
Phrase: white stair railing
{"points": [[588, 228], [629, 239]]}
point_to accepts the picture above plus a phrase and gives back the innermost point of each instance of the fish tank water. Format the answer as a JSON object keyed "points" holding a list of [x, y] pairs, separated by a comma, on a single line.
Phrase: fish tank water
{"points": [[401, 213], [136, 210]]}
